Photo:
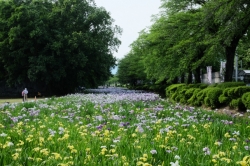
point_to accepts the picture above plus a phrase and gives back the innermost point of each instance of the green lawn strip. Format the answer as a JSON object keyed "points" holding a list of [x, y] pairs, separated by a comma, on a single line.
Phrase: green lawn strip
{"points": [[16, 100]]}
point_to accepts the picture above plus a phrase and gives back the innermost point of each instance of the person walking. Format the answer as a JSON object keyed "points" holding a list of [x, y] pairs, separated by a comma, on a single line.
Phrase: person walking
{"points": [[25, 94]]}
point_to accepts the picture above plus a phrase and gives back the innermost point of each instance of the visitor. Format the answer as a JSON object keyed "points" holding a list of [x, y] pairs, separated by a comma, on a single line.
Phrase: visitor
{"points": [[25, 94]]}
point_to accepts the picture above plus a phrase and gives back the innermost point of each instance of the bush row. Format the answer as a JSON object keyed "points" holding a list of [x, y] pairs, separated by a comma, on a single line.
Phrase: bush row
{"points": [[236, 95]]}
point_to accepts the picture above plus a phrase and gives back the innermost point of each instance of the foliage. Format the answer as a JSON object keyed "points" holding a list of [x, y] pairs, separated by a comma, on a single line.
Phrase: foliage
{"points": [[113, 80], [180, 95], [212, 97], [130, 70], [171, 89], [201, 95], [189, 35], [64, 44], [189, 93], [237, 104], [193, 100], [231, 96], [131, 67], [230, 84], [227, 95], [224, 97], [230, 22], [239, 91], [243, 52], [198, 85], [246, 100]]}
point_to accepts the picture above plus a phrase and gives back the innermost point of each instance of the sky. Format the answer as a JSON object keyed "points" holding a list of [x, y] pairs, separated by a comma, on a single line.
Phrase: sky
{"points": [[132, 16]]}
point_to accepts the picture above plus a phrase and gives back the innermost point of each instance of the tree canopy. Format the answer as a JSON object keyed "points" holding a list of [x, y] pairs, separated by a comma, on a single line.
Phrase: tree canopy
{"points": [[62, 43], [189, 35]]}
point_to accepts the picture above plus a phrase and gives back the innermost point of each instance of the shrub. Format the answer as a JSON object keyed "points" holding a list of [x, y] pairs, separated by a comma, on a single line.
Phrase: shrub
{"points": [[201, 96], [185, 94], [237, 104], [246, 100], [203, 86], [181, 95], [178, 94], [173, 97], [239, 91], [226, 96], [193, 99], [212, 98], [189, 93], [212, 85], [206, 101], [230, 84], [198, 85], [170, 90], [232, 93], [224, 100]]}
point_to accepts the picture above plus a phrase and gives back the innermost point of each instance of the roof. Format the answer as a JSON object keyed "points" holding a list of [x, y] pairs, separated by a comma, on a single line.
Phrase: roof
{"points": [[244, 72]]}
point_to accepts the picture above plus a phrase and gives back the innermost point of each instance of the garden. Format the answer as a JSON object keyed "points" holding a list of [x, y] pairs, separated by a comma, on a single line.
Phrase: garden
{"points": [[122, 129]]}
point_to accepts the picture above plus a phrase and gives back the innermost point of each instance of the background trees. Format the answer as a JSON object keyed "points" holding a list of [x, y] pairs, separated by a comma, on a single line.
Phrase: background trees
{"points": [[230, 22], [64, 43], [189, 35]]}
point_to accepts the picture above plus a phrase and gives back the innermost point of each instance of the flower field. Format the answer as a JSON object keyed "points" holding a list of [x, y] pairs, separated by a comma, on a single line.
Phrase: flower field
{"points": [[120, 130]]}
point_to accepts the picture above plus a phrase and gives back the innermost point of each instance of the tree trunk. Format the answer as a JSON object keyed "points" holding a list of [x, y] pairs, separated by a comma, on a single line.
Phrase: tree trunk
{"points": [[197, 75], [182, 78], [175, 81], [230, 50], [189, 79], [230, 53]]}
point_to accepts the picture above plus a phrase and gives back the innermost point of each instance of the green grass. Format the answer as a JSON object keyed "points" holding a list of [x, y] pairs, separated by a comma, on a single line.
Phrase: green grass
{"points": [[16, 100]]}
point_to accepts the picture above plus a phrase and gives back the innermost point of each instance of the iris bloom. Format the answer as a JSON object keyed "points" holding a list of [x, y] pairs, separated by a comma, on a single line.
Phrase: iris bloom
{"points": [[57, 156], [175, 164], [153, 152]]}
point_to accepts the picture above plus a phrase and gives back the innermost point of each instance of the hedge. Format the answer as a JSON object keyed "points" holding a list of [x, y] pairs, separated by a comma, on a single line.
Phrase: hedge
{"points": [[246, 100], [193, 99], [230, 84], [232, 93], [212, 98], [170, 90], [237, 104]]}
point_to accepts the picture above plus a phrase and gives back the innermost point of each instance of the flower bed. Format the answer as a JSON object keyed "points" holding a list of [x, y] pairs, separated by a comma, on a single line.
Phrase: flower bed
{"points": [[119, 129]]}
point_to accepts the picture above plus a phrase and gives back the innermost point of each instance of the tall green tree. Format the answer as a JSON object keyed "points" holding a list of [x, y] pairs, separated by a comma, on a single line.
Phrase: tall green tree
{"points": [[176, 47], [64, 43], [243, 52], [131, 70], [229, 21], [192, 34]]}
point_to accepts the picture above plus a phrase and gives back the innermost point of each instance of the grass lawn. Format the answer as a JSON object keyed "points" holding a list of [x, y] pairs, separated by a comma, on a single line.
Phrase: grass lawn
{"points": [[15, 100]]}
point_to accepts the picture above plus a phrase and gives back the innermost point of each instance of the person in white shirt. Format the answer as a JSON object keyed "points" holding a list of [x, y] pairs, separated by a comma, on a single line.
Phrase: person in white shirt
{"points": [[25, 94]]}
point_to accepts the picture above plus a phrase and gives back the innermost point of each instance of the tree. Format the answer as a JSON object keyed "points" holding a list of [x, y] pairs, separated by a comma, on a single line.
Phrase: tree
{"points": [[113, 81], [230, 21], [131, 68], [192, 34], [243, 52], [176, 47], [73, 39], [189, 36]]}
